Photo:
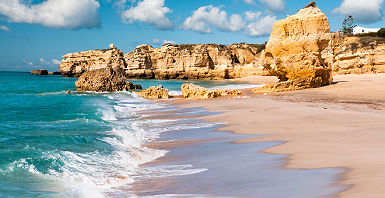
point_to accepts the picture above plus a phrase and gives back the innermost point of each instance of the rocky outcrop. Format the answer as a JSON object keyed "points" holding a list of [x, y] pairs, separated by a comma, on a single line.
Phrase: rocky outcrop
{"points": [[354, 55], [293, 52], [54, 73], [155, 92], [203, 61], [132, 86], [39, 72], [192, 91], [102, 80], [75, 64]]}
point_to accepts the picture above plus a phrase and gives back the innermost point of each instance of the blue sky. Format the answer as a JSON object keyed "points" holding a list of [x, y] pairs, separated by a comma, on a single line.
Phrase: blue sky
{"points": [[36, 33]]}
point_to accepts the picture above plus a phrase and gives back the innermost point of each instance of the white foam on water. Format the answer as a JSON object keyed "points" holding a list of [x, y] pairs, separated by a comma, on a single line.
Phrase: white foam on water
{"points": [[95, 174]]}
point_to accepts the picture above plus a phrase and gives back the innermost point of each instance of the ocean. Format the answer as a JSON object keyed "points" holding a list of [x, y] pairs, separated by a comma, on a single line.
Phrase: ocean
{"points": [[93, 144]]}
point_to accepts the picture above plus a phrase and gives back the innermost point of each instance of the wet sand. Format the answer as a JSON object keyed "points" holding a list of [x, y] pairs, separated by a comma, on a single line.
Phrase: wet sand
{"points": [[338, 126], [230, 170]]}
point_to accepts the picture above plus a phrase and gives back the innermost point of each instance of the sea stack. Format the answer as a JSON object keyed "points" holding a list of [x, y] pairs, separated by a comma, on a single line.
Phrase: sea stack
{"points": [[39, 72], [293, 52]]}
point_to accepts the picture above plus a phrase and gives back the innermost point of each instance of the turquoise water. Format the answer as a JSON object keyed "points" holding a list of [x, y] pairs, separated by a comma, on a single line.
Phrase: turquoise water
{"points": [[78, 145]]}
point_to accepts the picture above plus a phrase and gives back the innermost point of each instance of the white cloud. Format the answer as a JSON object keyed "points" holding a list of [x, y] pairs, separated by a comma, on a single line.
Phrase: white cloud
{"points": [[156, 41], [61, 14], [368, 11], [49, 63], [252, 16], [274, 4], [207, 16], [152, 12], [29, 63], [168, 42], [55, 62], [250, 2], [5, 28], [262, 27]]}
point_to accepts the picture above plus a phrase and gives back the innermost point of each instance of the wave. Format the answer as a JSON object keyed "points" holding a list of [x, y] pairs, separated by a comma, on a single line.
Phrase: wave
{"points": [[93, 174]]}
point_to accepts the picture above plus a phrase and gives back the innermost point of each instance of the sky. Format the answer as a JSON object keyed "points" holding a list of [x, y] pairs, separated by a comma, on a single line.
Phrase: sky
{"points": [[35, 34]]}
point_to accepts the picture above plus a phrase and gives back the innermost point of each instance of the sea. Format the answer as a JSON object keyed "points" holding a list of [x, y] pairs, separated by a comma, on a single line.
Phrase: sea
{"points": [[54, 144]]}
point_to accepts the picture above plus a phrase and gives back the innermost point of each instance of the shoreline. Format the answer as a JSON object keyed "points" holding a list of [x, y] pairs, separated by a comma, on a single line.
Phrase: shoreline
{"points": [[355, 97], [319, 182]]}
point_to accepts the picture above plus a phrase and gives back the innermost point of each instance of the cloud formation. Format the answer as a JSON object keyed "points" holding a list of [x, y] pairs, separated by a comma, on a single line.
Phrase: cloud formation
{"points": [[60, 14], [152, 12], [368, 11], [276, 5], [262, 27], [49, 63], [5, 28], [207, 16]]}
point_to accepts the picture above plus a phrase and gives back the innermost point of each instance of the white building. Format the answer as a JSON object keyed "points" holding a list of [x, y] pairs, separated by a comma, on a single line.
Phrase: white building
{"points": [[360, 30]]}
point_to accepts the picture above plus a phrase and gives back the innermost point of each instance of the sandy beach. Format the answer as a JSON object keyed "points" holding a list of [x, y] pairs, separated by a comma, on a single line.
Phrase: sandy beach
{"points": [[337, 126]]}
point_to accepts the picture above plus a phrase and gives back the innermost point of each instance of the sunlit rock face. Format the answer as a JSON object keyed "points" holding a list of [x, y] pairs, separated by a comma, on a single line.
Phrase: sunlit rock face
{"points": [[202, 61], [293, 52]]}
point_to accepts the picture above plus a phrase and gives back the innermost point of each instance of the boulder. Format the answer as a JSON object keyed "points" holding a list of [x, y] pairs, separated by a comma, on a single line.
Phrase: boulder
{"points": [[293, 52], [131, 86], [39, 72], [102, 80], [155, 92], [192, 91]]}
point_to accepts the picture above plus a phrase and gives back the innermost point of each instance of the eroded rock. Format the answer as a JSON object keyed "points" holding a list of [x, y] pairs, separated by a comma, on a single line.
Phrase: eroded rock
{"points": [[102, 80], [75, 64], [293, 52], [155, 92], [192, 91]]}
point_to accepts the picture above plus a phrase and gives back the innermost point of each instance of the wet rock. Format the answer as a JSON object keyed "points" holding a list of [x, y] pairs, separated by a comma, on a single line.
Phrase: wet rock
{"points": [[131, 86], [102, 80]]}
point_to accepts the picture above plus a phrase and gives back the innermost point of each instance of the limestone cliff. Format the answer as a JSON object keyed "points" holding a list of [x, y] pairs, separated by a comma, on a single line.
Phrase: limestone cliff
{"points": [[75, 64], [354, 55], [202, 61], [293, 52]]}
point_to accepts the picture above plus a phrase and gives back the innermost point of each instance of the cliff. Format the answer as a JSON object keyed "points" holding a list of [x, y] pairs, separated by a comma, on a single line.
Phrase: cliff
{"points": [[354, 55], [75, 64], [300, 49], [202, 61]]}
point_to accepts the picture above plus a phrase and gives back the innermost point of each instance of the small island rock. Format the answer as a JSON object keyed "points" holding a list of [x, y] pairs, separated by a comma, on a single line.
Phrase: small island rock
{"points": [[39, 72], [102, 80]]}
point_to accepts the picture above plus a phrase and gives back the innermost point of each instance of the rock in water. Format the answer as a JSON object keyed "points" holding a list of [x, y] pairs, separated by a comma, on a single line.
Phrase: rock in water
{"points": [[75, 64], [131, 86], [68, 91], [293, 52], [102, 80], [156, 92], [39, 72], [197, 92]]}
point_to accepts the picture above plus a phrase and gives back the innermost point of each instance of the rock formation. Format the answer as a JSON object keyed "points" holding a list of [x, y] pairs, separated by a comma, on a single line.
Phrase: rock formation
{"points": [[102, 80], [208, 61], [293, 52], [192, 91], [39, 72], [131, 86], [75, 64], [155, 92], [354, 55]]}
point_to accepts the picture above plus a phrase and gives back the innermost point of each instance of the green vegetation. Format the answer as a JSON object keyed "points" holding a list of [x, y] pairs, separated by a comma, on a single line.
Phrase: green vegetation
{"points": [[347, 25]]}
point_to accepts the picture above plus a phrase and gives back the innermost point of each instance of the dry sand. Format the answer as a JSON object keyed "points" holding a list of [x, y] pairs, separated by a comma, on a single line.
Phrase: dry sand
{"points": [[341, 125]]}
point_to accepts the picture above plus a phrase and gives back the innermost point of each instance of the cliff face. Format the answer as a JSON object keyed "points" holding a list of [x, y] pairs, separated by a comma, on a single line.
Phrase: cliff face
{"points": [[353, 55], [204, 61], [293, 52], [74, 64]]}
